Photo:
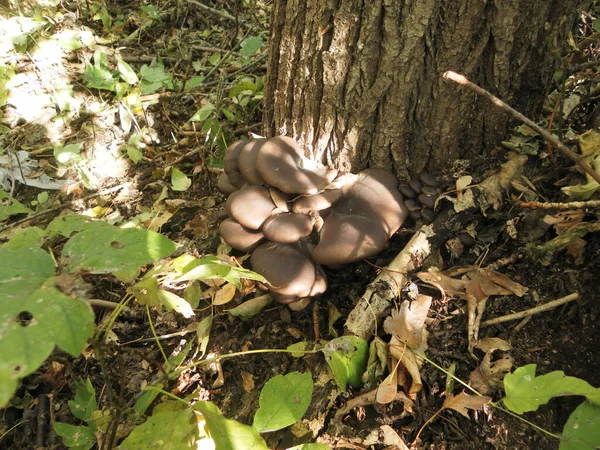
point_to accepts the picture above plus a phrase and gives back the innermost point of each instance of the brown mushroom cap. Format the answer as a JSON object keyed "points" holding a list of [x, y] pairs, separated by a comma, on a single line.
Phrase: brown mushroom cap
{"points": [[287, 227], [376, 192], [360, 224], [346, 238], [225, 185], [230, 164], [316, 202], [280, 199], [281, 163], [247, 161], [289, 269], [250, 206], [239, 237]]}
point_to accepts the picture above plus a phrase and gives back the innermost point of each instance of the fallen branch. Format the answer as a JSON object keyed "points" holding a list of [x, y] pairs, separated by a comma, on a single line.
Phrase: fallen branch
{"points": [[385, 289], [559, 206], [551, 138], [530, 312], [382, 292]]}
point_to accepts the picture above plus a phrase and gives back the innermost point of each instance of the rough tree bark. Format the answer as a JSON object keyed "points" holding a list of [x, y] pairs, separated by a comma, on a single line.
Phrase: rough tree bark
{"points": [[359, 83]]}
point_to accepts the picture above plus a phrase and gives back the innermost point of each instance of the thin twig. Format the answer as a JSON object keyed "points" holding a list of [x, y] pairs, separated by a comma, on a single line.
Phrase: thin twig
{"points": [[64, 205], [559, 206], [225, 56], [531, 311], [233, 74], [213, 11], [566, 151]]}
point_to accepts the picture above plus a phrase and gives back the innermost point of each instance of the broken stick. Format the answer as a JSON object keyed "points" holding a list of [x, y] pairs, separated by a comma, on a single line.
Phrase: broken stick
{"points": [[549, 137]]}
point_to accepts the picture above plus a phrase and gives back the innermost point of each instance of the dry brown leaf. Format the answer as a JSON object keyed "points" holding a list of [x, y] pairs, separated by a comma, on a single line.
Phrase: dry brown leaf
{"points": [[479, 382], [488, 345], [156, 223], [488, 377], [387, 389], [463, 402], [565, 220], [409, 362], [224, 295], [449, 287], [408, 324], [575, 247], [247, 381], [504, 282], [391, 438]]}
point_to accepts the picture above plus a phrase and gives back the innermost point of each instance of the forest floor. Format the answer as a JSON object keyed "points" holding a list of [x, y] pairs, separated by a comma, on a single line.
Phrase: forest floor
{"points": [[163, 133]]}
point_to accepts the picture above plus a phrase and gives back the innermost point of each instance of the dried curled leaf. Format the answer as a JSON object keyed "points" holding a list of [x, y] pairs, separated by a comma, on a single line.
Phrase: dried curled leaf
{"points": [[463, 402]]}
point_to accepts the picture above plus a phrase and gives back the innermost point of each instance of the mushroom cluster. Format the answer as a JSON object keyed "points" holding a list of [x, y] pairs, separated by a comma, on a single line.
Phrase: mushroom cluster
{"points": [[296, 215]]}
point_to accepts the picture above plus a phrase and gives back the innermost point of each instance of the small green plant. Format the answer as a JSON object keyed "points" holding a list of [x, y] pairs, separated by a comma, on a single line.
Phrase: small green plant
{"points": [[526, 392], [185, 423]]}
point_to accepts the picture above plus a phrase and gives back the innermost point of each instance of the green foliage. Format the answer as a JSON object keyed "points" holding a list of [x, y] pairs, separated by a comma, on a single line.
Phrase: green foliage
{"points": [[10, 206], [582, 430], [251, 45], [229, 434], [34, 319], [210, 267], [154, 78], [283, 401], [527, 392], [173, 426], [347, 357], [35, 315], [113, 249], [179, 181], [80, 437]]}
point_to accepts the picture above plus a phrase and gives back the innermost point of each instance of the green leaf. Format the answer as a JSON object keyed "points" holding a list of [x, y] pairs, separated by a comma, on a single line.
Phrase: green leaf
{"points": [[297, 349], [582, 430], [127, 73], [229, 434], [31, 325], [84, 403], [146, 291], [76, 437], [251, 308], [134, 153], [203, 113], [22, 271], [179, 181], [283, 401], [146, 399], [29, 237], [526, 392], [69, 154], [209, 267], [251, 45], [114, 249], [9, 206], [176, 303], [99, 75], [203, 334], [166, 430], [42, 197], [244, 86], [192, 82], [214, 59], [347, 357], [68, 224]]}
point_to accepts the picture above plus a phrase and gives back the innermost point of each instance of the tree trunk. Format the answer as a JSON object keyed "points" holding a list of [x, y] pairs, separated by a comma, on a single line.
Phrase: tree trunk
{"points": [[360, 83]]}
